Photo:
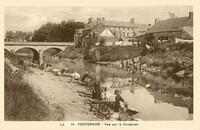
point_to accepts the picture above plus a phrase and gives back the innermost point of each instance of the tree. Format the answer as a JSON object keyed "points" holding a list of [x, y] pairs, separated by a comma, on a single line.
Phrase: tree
{"points": [[149, 38], [102, 41], [9, 35], [61, 32], [18, 34]]}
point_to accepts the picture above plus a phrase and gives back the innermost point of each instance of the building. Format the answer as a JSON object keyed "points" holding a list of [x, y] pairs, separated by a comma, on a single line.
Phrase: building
{"points": [[78, 37], [112, 31], [173, 28], [99, 32]]}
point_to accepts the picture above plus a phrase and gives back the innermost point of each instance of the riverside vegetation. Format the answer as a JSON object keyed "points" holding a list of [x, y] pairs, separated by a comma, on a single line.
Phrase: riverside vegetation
{"points": [[21, 103], [173, 63]]}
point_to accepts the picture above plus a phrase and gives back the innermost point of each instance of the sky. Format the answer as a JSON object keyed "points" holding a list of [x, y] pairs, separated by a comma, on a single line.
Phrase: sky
{"points": [[31, 18]]}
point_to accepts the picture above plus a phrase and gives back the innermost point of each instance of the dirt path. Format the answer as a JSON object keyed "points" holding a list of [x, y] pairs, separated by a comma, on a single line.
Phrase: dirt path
{"points": [[60, 96]]}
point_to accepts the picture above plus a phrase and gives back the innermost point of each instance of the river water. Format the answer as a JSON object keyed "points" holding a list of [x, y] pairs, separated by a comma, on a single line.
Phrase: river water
{"points": [[152, 105]]}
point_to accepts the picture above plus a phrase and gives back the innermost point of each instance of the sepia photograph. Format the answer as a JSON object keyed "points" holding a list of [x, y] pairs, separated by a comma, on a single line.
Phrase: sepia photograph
{"points": [[86, 63]]}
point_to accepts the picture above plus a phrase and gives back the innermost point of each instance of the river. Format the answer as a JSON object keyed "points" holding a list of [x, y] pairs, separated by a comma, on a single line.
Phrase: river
{"points": [[152, 105]]}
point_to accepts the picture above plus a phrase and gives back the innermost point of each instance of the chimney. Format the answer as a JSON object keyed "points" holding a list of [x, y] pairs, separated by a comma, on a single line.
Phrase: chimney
{"points": [[157, 20], [90, 20], [98, 20], [103, 19], [190, 15], [132, 20]]}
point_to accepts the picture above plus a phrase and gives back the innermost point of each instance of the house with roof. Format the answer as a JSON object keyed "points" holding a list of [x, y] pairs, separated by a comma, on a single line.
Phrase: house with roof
{"points": [[98, 32], [173, 28], [112, 31]]}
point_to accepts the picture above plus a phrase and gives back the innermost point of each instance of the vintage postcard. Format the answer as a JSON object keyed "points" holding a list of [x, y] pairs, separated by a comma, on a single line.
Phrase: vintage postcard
{"points": [[76, 66]]}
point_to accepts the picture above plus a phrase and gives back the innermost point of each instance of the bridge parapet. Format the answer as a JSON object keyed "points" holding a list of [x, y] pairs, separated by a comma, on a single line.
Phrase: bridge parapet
{"points": [[40, 43]]}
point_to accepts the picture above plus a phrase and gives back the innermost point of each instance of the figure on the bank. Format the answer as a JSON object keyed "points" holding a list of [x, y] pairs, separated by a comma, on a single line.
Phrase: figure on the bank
{"points": [[119, 101], [140, 67], [84, 76], [88, 78], [65, 70], [76, 76], [133, 61], [96, 91], [122, 63], [106, 96]]}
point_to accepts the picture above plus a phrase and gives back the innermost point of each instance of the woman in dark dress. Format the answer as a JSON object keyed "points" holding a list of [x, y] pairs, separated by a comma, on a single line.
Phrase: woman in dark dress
{"points": [[118, 98]]}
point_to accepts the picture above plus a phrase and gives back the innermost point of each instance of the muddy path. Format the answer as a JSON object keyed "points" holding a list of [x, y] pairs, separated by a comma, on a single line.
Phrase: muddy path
{"points": [[60, 96]]}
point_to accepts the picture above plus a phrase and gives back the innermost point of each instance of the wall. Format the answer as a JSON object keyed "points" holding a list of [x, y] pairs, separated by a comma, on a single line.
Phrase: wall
{"points": [[119, 31], [186, 36], [107, 32]]}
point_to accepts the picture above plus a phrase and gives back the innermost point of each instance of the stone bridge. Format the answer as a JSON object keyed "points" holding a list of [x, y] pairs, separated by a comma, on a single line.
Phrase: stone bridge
{"points": [[37, 48]]}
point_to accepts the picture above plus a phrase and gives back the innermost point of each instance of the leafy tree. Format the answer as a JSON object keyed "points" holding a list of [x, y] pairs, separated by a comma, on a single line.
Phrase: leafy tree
{"points": [[102, 41], [61, 32], [19, 34], [9, 35], [149, 38], [49, 32]]}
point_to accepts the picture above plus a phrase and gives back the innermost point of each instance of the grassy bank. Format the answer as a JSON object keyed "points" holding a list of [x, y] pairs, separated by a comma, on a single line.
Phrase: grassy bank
{"points": [[168, 85], [73, 53], [21, 103], [107, 53], [115, 53], [171, 59]]}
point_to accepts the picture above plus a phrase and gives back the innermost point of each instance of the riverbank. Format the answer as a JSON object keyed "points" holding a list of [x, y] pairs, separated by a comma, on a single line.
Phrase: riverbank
{"points": [[60, 93], [21, 103], [172, 68], [137, 97], [32, 94], [107, 53], [117, 53], [168, 68]]}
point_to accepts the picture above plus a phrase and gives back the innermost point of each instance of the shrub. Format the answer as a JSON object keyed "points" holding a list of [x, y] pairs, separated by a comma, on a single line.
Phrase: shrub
{"points": [[115, 53]]}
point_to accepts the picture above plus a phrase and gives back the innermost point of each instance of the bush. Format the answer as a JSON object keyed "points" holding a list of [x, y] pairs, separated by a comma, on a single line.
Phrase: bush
{"points": [[102, 41], [115, 53]]}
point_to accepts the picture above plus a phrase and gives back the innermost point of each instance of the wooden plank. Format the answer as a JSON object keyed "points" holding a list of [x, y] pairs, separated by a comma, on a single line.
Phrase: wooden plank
{"points": [[84, 92], [81, 83]]}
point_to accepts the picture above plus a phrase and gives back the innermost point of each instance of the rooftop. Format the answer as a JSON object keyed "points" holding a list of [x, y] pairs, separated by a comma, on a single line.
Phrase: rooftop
{"points": [[108, 23], [173, 24], [188, 30], [118, 24], [97, 29], [79, 31]]}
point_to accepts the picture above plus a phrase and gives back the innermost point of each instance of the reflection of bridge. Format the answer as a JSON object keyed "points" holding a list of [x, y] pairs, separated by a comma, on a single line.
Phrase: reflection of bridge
{"points": [[37, 47]]}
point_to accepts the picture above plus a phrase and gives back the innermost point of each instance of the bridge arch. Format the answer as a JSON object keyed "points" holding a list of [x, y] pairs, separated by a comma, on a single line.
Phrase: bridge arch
{"points": [[6, 50], [36, 56], [58, 49], [52, 53], [38, 49]]}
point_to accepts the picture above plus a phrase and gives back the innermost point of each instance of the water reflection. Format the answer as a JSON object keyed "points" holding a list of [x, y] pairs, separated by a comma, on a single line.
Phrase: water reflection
{"points": [[151, 105], [152, 109]]}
